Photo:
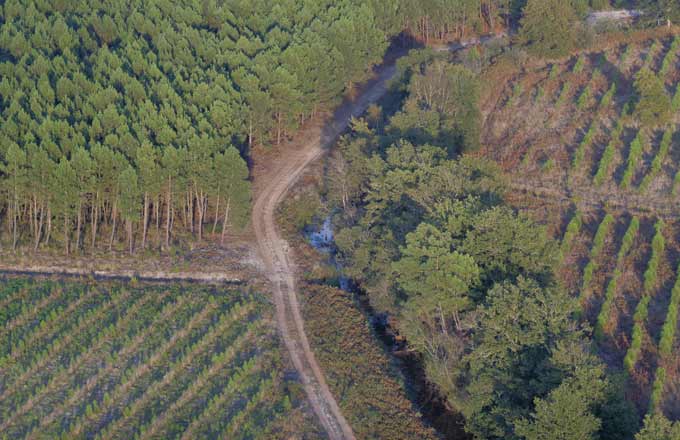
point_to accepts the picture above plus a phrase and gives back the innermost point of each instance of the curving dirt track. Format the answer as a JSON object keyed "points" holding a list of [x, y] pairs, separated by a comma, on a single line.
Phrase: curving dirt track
{"points": [[274, 253], [274, 249]]}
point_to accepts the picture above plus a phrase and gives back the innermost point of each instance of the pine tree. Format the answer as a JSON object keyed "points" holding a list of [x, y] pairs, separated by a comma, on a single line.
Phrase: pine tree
{"points": [[548, 27]]}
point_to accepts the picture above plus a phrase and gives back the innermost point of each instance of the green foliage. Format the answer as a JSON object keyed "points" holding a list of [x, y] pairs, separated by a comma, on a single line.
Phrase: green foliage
{"points": [[656, 425], [671, 322], [626, 54], [602, 323], [584, 98], [607, 159], [676, 183], [603, 230], [555, 70], [572, 231], [634, 158], [580, 64], [586, 142], [675, 103], [160, 348], [548, 27], [654, 105], [564, 94], [657, 393], [659, 159], [516, 93], [628, 238], [452, 119], [196, 79], [567, 412], [658, 249], [608, 97], [633, 353]]}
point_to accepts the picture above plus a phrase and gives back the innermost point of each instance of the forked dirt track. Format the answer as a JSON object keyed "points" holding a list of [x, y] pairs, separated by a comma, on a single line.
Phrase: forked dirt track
{"points": [[279, 266]]}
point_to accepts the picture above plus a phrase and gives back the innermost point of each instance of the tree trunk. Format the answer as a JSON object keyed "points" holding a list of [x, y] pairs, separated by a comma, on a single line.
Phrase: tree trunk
{"points": [[226, 219], [129, 228], [78, 224], [167, 217], [15, 214], [199, 205], [217, 210], [49, 226], [41, 221], [95, 219], [66, 240], [278, 128], [250, 132], [146, 219], [157, 208], [113, 228]]}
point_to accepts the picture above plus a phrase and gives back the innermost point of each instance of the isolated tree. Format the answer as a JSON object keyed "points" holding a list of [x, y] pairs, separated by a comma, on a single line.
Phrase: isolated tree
{"points": [[548, 27]]}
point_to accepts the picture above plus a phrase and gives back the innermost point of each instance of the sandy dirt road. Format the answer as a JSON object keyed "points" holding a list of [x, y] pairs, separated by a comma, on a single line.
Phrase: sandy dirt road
{"points": [[278, 262]]}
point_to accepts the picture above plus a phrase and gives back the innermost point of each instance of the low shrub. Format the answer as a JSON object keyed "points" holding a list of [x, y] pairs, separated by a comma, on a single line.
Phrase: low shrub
{"points": [[634, 158]]}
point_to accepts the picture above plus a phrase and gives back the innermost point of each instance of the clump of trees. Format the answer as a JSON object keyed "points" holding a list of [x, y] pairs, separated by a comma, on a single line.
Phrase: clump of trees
{"points": [[653, 107], [122, 119], [426, 234], [549, 28]]}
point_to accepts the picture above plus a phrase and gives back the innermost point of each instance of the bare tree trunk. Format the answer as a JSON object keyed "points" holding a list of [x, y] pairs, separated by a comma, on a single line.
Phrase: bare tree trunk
{"points": [[217, 210], [15, 214], [167, 217], [34, 216], [278, 128], [129, 229], [49, 226], [226, 220], [157, 208], [41, 221], [66, 240], [113, 228], [95, 219], [199, 205], [250, 132], [78, 224], [146, 219]]}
